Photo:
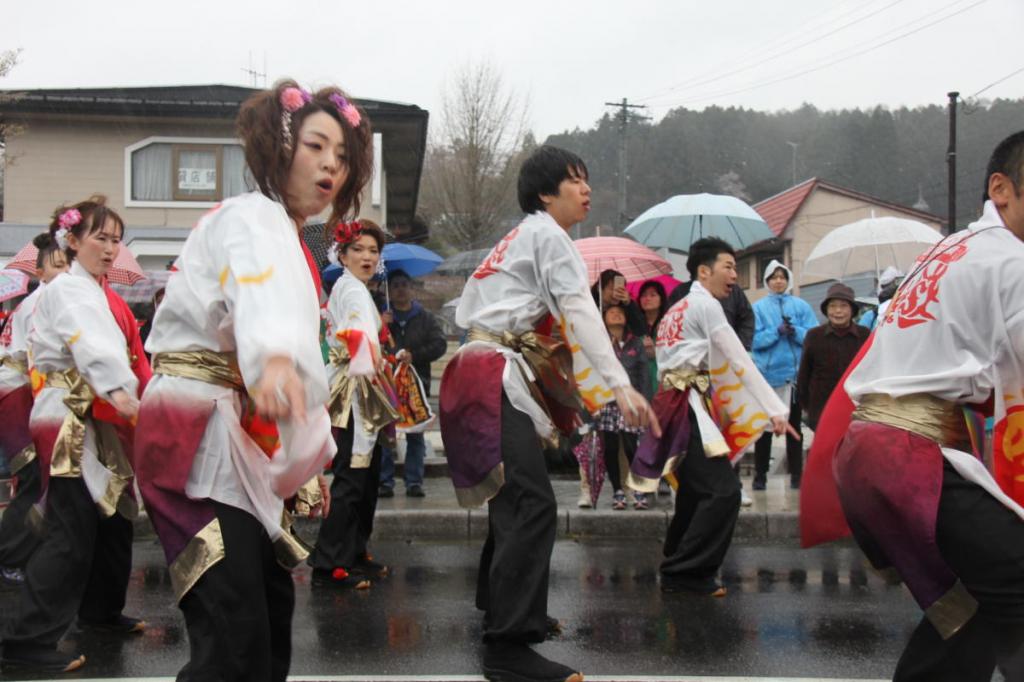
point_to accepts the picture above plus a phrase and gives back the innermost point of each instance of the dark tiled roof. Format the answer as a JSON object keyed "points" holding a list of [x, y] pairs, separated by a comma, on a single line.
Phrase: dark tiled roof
{"points": [[404, 126]]}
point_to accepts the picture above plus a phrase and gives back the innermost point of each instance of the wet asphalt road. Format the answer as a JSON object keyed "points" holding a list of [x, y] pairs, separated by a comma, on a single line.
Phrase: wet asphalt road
{"points": [[820, 613]]}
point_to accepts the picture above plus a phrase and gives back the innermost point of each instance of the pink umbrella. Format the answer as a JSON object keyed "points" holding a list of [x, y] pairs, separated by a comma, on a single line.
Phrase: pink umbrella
{"points": [[125, 270], [667, 281], [635, 261], [12, 283]]}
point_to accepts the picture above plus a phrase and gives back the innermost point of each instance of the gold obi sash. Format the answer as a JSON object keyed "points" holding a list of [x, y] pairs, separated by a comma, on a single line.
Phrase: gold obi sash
{"points": [[9, 362], [933, 418], [207, 366], [550, 360], [683, 378], [66, 460], [375, 407]]}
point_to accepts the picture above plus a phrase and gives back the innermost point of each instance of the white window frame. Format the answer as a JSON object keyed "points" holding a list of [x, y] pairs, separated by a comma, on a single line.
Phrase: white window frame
{"points": [[130, 149]]}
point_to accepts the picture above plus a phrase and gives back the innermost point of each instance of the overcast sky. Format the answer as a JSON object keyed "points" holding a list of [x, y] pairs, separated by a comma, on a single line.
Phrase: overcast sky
{"points": [[568, 59]]}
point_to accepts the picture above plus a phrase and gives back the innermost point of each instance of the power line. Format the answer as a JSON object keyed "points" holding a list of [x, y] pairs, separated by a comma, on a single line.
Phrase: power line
{"points": [[799, 46], [995, 83], [819, 67]]}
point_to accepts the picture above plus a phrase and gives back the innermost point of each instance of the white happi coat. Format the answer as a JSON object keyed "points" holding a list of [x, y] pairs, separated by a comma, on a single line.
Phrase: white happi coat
{"points": [[14, 343], [72, 327], [350, 309], [535, 270], [243, 285], [955, 330], [695, 335]]}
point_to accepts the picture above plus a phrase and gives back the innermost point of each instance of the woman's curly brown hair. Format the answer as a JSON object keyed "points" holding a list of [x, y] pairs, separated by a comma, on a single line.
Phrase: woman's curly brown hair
{"points": [[270, 159], [95, 214]]}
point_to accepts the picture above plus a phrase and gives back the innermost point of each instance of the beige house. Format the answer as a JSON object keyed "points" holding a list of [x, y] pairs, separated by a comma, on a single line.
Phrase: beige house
{"points": [[799, 217], [165, 155]]}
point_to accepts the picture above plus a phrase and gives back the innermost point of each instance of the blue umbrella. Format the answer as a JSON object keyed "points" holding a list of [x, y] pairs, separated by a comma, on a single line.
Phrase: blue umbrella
{"points": [[678, 222], [414, 260]]}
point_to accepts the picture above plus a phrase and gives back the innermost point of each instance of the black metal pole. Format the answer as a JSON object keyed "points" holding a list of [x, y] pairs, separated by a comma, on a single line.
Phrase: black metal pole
{"points": [[951, 163]]}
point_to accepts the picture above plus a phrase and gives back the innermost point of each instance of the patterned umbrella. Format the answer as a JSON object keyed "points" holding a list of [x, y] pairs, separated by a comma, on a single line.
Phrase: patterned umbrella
{"points": [[635, 261], [125, 270], [12, 283], [143, 292]]}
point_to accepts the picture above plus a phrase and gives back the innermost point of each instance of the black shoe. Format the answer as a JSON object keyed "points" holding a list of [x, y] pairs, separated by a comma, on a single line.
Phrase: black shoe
{"points": [[675, 585], [514, 662], [415, 491], [28, 656], [760, 482], [368, 567], [794, 484], [385, 491], [554, 627], [121, 625]]}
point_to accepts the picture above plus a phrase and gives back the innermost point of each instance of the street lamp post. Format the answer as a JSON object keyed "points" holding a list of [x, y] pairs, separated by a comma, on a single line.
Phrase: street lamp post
{"points": [[794, 145]]}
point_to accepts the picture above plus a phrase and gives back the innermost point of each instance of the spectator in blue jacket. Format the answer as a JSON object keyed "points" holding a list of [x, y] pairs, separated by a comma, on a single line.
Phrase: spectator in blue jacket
{"points": [[781, 321]]}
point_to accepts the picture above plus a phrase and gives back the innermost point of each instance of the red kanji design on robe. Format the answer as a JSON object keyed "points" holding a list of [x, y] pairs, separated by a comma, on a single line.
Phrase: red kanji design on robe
{"points": [[910, 305], [495, 257], [670, 331]]}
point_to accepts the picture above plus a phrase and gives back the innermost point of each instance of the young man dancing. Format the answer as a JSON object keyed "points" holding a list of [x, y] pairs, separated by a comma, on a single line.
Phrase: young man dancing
{"points": [[914, 498], [511, 387]]}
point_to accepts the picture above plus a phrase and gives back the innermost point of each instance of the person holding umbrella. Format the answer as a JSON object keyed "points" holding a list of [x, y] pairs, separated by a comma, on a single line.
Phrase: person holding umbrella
{"points": [[419, 341]]}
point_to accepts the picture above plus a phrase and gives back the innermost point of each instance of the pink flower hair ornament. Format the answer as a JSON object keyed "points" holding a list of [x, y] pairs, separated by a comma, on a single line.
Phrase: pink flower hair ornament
{"points": [[292, 99], [69, 218]]}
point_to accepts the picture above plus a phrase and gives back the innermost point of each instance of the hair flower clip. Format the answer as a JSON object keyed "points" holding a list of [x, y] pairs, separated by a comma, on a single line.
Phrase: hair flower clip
{"points": [[346, 109], [69, 218]]}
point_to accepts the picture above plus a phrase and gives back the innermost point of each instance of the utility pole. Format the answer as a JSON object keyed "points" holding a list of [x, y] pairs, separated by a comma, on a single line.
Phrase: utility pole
{"points": [[951, 164], [794, 145], [624, 106]]}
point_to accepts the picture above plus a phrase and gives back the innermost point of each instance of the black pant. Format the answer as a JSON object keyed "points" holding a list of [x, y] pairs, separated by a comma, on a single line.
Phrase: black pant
{"points": [[707, 506], [346, 531], [612, 439], [983, 543], [239, 613], [81, 567], [17, 539], [794, 448], [512, 582]]}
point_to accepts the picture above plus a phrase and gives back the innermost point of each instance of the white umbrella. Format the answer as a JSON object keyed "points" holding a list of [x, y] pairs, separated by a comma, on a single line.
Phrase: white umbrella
{"points": [[871, 244]]}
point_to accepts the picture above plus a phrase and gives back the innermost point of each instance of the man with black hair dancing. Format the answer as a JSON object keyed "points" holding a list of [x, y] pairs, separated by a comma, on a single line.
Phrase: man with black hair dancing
{"points": [[511, 388]]}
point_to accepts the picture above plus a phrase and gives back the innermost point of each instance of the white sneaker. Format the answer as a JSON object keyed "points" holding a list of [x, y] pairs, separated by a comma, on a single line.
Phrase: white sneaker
{"points": [[584, 501], [745, 499]]}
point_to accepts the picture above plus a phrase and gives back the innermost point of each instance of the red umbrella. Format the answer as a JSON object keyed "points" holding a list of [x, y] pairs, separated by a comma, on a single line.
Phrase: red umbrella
{"points": [[12, 284], [125, 269], [667, 281], [635, 261]]}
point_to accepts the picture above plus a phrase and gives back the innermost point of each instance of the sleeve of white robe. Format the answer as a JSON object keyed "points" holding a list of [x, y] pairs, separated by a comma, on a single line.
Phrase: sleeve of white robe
{"points": [[726, 341], [564, 275], [268, 287], [355, 324], [78, 312]]}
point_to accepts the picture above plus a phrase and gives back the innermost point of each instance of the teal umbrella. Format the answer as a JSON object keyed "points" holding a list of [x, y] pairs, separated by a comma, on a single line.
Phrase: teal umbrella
{"points": [[680, 221]]}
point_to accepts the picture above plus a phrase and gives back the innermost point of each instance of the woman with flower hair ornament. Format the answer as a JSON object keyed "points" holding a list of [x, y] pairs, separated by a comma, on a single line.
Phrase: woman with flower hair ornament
{"points": [[362, 409], [85, 346], [17, 539], [234, 421]]}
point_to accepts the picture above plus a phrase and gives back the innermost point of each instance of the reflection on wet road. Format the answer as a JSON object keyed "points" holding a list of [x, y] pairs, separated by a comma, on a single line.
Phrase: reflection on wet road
{"points": [[789, 613]]}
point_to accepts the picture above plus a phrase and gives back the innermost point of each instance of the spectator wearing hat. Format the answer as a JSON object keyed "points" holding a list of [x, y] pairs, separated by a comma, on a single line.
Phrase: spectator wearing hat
{"points": [[828, 351]]}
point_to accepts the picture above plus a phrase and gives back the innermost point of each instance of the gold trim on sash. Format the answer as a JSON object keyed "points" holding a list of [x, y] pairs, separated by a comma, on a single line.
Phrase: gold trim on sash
{"points": [[66, 461], [933, 418], [951, 611], [684, 378], [482, 492], [207, 366], [9, 362], [204, 550], [27, 454], [375, 407], [308, 497]]}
